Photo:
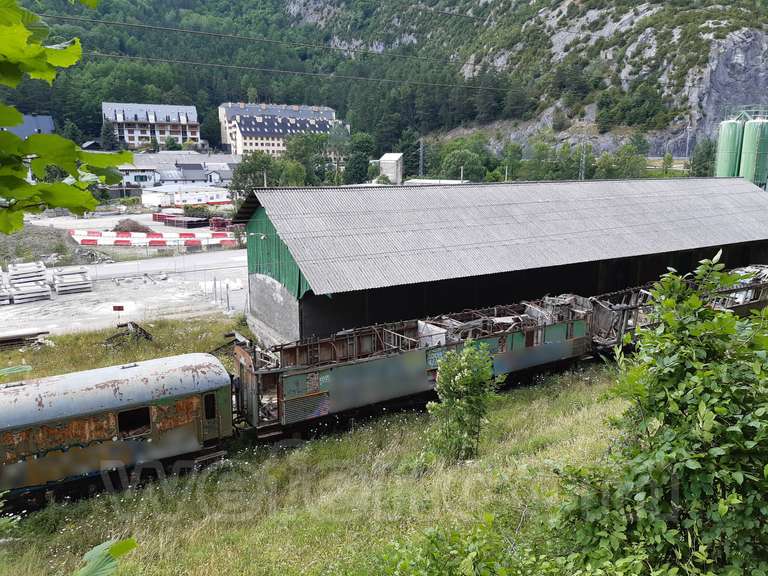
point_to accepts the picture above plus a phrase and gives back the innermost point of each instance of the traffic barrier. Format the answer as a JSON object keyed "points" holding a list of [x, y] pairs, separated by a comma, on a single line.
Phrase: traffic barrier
{"points": [[155, 242], [198, 235]]}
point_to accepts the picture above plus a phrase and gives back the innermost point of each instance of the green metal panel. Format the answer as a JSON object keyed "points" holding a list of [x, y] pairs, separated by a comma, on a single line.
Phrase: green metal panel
{"points": [[268, 255], [729, 144], [492, 343], [754, 152], [516, 341], [555, 333], [579, 329]]}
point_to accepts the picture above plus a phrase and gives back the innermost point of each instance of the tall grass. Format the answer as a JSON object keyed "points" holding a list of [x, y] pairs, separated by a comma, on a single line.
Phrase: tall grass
{"points": [[333, 505], [86, 350]]}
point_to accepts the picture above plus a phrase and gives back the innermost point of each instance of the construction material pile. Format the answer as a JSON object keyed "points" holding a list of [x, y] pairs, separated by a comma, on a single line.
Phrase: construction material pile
{"points": [[5, 294], [28, 282], [71, 281]]}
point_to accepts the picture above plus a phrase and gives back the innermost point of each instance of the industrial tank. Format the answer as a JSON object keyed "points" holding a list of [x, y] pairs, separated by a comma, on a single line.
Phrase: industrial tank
{"points": [[754, 152], [729, 143]]}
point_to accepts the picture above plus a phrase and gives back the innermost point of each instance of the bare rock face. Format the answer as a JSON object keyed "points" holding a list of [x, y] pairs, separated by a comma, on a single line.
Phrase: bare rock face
{"points": [[737, 75], [316, 12]]}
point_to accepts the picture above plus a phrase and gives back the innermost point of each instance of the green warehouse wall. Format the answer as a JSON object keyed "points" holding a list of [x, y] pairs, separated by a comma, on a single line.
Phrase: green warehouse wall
{"points": [[268, 255]]}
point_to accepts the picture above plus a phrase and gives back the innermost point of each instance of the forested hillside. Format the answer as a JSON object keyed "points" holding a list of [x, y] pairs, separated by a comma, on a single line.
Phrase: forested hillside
{"points": [[606, 63]]}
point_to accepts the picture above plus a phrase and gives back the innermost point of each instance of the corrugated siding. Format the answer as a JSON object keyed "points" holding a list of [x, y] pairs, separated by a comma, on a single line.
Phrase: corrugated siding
{"points": [[357, 238], [268, 255]]}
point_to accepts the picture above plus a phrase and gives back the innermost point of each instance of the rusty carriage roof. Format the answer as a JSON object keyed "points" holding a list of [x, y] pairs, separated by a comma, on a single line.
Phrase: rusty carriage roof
{"points": [[115, 388]]}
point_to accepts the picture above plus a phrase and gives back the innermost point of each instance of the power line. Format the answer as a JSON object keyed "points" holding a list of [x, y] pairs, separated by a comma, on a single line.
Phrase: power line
{"points": [[241, 37], [330, 76]]}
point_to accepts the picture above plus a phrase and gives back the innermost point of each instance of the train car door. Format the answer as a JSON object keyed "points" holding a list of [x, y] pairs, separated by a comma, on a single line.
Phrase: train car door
{"points": [[210, 417]]}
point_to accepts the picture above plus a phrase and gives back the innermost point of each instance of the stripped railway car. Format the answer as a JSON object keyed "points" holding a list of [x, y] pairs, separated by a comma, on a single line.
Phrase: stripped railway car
{"points": [[307, 380], [75, 426]]}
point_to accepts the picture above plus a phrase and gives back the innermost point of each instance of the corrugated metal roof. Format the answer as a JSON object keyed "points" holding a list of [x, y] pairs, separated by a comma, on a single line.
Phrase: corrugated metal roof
{"points": [[232, 109], [141, 112], [114, 388], [347, 239], [271, 126]]}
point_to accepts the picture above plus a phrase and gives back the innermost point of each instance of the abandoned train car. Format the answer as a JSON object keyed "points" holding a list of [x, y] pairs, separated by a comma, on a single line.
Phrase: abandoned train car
{"points": [[300, 382], [77, 425]]}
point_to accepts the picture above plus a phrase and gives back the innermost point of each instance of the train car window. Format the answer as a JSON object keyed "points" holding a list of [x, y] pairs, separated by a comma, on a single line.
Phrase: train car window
{"points": [[529, 338], [133, 423], [209, 406]]}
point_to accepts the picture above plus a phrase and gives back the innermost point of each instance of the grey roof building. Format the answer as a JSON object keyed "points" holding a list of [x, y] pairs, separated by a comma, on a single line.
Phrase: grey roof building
{"points": [[32, 124], [353, 256], [136, 125], [246, 128], [128, 112], [278, 127]]}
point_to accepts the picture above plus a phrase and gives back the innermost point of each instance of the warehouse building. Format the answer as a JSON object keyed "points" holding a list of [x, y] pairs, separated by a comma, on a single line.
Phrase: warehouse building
{"points": [[324, 259]]}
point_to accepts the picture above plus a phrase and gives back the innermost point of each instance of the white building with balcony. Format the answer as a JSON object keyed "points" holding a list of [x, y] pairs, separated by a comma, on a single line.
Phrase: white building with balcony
{"points": [[136, 125]]}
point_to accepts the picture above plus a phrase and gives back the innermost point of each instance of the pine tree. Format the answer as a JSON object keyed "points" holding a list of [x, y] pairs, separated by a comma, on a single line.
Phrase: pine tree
{"points": [[108, 136]]}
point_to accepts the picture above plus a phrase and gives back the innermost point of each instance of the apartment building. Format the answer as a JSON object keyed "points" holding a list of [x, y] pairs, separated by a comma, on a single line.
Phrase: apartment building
{"points": [[246, 128], [136, 124]]}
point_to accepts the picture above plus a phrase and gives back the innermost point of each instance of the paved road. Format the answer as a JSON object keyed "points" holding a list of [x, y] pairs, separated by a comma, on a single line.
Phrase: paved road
{"points": [[225, 260], [185, 290]]}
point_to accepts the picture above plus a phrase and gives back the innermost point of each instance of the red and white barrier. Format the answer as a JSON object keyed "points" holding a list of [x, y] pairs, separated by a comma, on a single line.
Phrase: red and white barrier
{"points": [[152, 239]]}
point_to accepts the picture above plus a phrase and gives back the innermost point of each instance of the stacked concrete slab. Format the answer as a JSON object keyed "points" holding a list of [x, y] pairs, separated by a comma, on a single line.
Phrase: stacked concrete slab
{"points": [[30, 292], [5, 294], [72, 280], [29, 272], [28, 282]]}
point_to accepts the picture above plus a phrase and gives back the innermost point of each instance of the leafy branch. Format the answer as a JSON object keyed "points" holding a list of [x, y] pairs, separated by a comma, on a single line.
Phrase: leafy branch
{"points": [[23, 53]]}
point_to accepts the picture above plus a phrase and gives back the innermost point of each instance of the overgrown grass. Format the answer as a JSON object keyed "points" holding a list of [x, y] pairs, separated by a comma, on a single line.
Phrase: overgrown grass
{"points": [[86, 350], [333, 505]]}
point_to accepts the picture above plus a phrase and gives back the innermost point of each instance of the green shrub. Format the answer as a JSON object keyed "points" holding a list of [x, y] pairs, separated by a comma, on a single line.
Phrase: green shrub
{"points": [[448, 552], [464, 385], [684, 492]]}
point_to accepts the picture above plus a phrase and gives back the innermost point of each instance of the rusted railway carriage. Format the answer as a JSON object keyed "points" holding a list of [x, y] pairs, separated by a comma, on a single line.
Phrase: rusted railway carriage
{"points": [[85, 423], [82, 424], [352, 369]]}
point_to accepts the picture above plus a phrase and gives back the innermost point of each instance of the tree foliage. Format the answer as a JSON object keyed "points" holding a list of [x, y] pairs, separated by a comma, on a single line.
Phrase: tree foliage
{"points": [[464, 385], [108, 137], [451, 552], [172, 144], [703, 160], [24, 54], [684, 491], [463, 163]]}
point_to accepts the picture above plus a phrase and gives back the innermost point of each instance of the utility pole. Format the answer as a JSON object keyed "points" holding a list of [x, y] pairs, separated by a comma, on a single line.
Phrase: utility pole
{"points": [[506, 173], [265, 178], [421, 156], [462, 174], [583, 162]]}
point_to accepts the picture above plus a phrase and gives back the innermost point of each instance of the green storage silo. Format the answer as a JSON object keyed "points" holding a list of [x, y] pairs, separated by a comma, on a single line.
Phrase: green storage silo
{"points": [[729, 144], [754, 152]]}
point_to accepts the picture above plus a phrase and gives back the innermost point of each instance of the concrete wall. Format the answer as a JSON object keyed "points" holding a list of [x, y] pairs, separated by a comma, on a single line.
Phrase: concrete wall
{"points": [[273, 312]]}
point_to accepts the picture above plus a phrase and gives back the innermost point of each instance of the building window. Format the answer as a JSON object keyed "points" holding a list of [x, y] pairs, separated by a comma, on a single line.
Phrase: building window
{"points": [[133, 423]]}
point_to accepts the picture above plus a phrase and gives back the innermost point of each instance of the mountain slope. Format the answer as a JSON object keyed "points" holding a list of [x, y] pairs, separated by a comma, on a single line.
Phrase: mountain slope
{"points": [[593, 65]]}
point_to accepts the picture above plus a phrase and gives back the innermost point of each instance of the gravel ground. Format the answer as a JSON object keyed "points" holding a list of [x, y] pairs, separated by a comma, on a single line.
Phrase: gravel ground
{"points": [[176, 287]]}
